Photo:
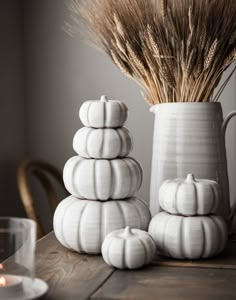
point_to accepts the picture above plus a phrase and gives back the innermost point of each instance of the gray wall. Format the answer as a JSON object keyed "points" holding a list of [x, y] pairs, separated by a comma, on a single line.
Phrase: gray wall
{"points": [[12, 109]]}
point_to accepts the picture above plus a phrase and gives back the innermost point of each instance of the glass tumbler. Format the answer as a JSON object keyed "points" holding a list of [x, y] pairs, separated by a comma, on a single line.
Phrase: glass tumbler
{"points": [[17, 256]]}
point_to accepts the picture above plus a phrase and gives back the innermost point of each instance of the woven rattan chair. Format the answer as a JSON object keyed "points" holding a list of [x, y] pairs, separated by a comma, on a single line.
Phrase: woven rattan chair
{"points": [[44, 173]]}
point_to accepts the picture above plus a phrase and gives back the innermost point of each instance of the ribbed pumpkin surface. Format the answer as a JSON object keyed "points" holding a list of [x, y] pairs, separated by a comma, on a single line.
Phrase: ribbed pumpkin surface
{"points": [[98, 114], [188, 237], [189, 196], [104, 143], [128, 248], [82, 225], [102, 179]]}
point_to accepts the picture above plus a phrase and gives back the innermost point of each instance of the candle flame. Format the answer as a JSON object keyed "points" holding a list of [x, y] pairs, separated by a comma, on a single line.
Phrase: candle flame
{"points": [[2, 281]]}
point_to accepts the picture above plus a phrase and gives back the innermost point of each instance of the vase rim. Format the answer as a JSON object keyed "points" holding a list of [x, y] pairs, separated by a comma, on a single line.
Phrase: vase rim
{"points": [[153, 108]]}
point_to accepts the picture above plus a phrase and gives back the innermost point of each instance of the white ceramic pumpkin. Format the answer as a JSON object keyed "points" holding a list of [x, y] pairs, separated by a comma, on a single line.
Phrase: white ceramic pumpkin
{"points": [[128, 248], [82, 225], [188, 237], [189, 196], [105, 143], [102, 179], [103, 113]]}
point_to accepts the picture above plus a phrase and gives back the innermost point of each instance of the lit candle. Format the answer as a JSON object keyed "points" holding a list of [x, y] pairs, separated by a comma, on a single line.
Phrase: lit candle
{"points": [[10, 286]]}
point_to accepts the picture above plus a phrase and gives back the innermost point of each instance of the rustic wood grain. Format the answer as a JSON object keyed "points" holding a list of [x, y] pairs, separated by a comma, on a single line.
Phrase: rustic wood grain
{"points": [[227, 260], [70, 275], [169, 283]]}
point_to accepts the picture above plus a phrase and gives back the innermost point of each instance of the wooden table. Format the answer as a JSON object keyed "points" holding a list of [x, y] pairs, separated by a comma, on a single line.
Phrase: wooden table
{"points": [[74, 276]]}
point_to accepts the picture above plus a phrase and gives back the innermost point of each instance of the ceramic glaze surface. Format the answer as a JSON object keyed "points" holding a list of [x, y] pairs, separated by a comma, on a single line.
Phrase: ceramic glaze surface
{"points": [[189, 196], [189, 138], [106, 143], [103, 113], [128, 248], [82, 225], [102, 179], [188, 237]]}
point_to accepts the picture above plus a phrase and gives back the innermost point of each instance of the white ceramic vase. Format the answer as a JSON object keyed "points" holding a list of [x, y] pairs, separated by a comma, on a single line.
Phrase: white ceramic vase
{"points": [[189, 138]]}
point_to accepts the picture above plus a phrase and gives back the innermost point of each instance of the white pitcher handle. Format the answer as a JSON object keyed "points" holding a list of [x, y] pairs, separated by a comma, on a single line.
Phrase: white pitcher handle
{"points": [[223, 130], [226, 120]]}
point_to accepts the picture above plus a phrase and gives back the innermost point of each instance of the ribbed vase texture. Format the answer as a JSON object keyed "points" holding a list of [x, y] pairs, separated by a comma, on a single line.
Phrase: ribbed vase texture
{"points": [[188, 139]]}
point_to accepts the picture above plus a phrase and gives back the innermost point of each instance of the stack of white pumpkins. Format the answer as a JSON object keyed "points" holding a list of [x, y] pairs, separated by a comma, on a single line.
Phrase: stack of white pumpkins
{"points": [[188, 228], [101, 179]]}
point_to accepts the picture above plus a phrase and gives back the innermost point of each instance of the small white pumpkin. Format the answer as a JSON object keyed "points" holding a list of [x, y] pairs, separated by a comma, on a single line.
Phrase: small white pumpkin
{"points": [[188, 237], [82, 225], [104, 113], [102, 179], [189, 196], [106, 143], [128, 248]]}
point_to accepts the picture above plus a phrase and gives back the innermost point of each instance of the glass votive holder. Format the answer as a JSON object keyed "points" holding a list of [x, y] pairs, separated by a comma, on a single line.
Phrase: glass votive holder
{"points": [[17, 258]]}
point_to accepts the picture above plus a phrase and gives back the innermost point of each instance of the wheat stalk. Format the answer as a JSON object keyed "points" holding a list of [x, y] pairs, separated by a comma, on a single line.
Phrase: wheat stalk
{"points": [[163, 8], [210, 56], [176, 50], [121, 64]]}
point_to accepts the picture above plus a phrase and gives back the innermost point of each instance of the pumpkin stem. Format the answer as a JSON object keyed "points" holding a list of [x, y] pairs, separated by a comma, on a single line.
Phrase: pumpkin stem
{"points": [[127, 231], [104, 98], [190, 177]]}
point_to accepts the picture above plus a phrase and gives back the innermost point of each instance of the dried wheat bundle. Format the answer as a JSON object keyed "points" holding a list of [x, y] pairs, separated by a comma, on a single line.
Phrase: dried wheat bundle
{"points": [[177, 50]]}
